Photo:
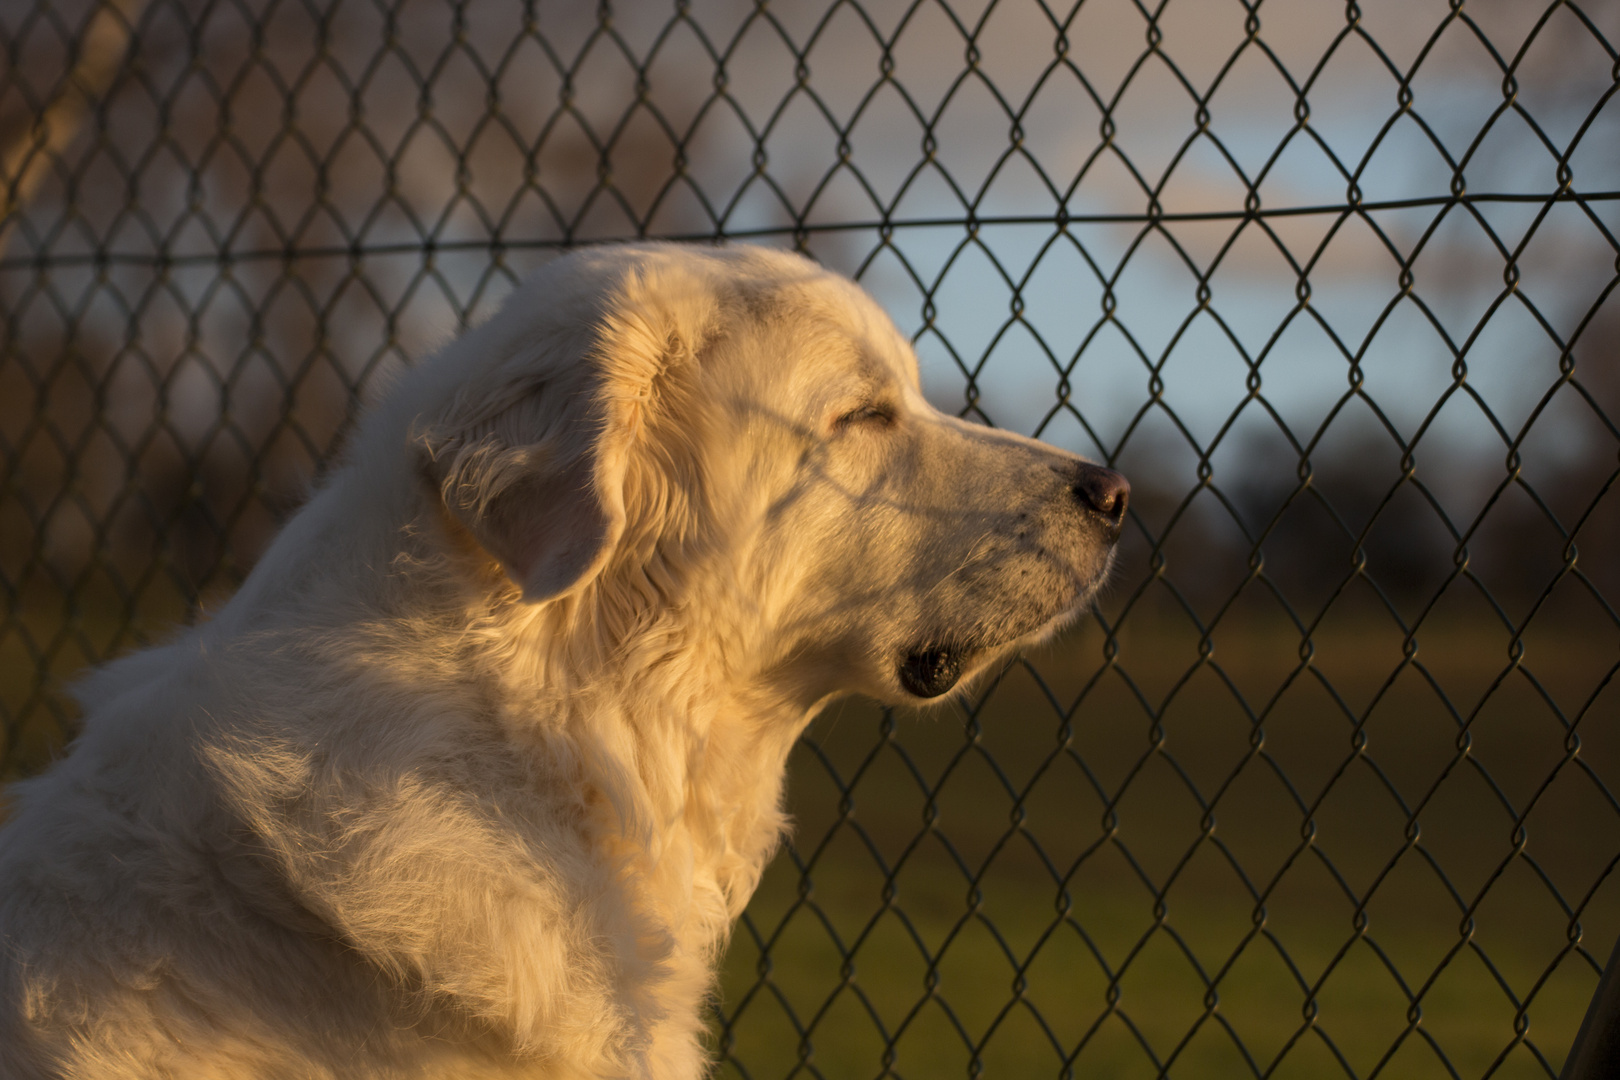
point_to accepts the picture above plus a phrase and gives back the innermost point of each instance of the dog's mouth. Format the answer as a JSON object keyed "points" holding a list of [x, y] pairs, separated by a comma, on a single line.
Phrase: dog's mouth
{"points": [[934, 667], [932, 670], [941, 657]]}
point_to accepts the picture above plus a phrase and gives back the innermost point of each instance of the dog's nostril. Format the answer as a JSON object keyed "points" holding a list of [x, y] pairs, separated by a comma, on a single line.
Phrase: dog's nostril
{"points": [[1102, 490]]}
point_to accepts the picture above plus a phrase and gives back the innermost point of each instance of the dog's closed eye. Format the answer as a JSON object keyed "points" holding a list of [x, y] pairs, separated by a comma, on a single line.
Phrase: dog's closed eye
{"points": [[869, 414]]}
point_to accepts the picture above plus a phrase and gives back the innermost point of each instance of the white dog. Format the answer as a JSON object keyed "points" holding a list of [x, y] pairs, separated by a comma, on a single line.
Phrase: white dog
{"points": [[474, 774]]}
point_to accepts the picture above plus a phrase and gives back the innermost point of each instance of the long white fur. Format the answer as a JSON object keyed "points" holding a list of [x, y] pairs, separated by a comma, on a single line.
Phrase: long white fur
{"points": [[476, 771]]}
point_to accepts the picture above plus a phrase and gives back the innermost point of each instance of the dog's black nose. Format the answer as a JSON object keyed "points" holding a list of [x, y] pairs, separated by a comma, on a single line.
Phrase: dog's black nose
{"points": [[1102, 491]]}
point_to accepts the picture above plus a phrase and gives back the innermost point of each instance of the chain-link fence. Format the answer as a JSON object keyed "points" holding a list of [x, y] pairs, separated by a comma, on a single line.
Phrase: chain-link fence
{"points": [[1325, 788]]}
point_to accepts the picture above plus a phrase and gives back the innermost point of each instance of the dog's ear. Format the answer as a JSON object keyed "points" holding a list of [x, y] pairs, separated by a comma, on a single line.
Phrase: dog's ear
{"points": [[538, 483], [549, 510], [532, 461]]}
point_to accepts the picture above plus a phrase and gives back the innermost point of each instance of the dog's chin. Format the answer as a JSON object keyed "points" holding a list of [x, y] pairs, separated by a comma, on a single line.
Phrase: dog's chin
{"points": [[933, 667]]}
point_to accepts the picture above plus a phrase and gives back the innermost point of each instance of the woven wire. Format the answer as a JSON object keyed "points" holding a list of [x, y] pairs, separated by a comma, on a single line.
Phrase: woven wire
{"points": [[224, 218]]}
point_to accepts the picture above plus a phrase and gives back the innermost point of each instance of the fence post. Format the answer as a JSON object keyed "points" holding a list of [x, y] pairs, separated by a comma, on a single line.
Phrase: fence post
{"points": [[1595, 1054]]}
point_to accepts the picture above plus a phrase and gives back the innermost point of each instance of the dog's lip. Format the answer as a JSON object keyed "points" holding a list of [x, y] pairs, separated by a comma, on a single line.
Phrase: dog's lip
{"points": [[929, 671], [934, 666]]}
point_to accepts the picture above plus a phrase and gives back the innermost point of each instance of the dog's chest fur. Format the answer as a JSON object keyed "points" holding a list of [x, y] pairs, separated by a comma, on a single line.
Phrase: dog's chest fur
{"points": [[494, 856]]}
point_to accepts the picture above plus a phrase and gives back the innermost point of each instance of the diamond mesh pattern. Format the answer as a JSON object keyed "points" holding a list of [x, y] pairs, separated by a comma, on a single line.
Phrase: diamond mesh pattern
{"points": [[1324, 787]]}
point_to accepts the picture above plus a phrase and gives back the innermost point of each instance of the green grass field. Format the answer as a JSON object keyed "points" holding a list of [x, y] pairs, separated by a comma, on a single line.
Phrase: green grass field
{"points": [[975, 1014], [1129, 943]]}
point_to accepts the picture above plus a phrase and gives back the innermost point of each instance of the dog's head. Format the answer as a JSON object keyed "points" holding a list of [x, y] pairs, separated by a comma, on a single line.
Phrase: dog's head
{"points": [[729, 447]]}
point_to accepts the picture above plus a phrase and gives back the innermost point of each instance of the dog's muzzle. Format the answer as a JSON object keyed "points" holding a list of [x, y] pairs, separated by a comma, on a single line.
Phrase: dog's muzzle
{"points": [[932, 668]]}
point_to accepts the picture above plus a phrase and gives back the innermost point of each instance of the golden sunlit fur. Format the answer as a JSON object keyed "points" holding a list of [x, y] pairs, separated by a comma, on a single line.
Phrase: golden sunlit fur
{"points": [[475, 772]]}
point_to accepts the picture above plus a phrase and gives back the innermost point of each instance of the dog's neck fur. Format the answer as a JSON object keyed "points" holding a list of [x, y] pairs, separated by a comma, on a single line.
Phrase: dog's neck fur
{"points": [[688, 753], [689, 765], [681, 759]]}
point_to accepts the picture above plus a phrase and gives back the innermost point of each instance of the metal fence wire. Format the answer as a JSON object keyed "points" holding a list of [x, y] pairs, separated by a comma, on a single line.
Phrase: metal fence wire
{"points": [[1326, 784]]}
